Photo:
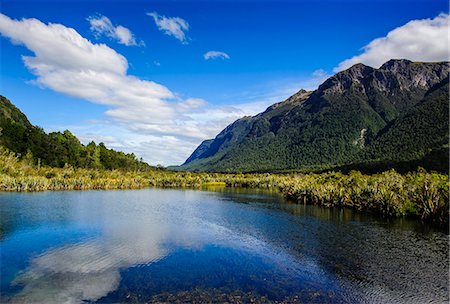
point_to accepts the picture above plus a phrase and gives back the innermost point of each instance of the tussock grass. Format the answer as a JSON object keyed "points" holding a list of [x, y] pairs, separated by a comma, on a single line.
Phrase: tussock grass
{"points": [[420, 194]]}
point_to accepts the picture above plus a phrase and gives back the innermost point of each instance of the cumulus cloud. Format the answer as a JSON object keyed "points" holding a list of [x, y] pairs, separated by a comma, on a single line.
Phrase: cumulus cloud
{"points": [[141, 116], [417, 40], [172, 26], [166, 128], [215, 55], [101, 25], [171, 143]]}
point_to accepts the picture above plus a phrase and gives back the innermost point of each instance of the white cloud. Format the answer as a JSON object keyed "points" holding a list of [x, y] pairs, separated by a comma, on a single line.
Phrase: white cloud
{"points": [[142, 116], [215, 55], [316, 79], [101, 25], [194, 103], [417, 40], [165, 128], [172, 26]]}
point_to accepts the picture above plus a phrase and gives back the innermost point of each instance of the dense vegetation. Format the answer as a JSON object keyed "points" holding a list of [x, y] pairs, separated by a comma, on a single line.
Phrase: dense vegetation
{"points": [[342, 125], [421, 194], [57, 149], [392, 117]]}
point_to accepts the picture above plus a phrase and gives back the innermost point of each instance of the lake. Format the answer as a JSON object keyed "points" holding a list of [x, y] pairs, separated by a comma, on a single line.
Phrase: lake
{"points": [[231, 245]]}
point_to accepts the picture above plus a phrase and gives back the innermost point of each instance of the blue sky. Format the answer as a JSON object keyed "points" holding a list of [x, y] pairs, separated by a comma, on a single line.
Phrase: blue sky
{"points": [[133, 74]]}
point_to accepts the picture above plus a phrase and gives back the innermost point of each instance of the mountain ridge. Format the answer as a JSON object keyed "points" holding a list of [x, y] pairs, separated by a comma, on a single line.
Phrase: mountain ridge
{"points": [[334, 125]]}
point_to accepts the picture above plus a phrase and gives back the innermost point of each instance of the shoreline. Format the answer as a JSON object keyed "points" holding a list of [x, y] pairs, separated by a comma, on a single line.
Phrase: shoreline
{"points": [[419, 195]]}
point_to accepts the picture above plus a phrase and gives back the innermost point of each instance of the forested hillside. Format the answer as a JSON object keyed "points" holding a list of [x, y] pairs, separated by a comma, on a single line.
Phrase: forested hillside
{"points": [[392, 117], [56, 149]]}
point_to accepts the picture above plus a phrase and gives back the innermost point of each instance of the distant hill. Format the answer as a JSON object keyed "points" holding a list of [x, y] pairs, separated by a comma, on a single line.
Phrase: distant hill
{"points": [[395, 116], [56, 149]]}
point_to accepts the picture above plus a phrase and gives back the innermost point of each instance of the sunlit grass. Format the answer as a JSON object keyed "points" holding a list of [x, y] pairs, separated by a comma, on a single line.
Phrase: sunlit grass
{"points": [[420, 194], [214, 184]]}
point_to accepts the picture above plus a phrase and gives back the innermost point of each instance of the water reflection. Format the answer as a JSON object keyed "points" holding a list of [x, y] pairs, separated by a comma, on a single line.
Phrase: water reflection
{"points": [[116, 246], [89, 270], [132, 233]]}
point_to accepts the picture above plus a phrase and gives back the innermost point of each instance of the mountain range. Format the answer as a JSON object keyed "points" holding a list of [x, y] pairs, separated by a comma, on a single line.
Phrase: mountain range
{"points": [[362, 118], [396, 116]]}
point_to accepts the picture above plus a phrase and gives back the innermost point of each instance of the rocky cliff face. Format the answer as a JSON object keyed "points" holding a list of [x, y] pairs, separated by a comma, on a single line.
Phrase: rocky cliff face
{"points": [[332, 126], [391, 77]]}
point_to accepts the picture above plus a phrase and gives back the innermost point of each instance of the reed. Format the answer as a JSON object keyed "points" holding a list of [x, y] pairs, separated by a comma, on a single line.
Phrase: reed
{"points": [[419, 194]]}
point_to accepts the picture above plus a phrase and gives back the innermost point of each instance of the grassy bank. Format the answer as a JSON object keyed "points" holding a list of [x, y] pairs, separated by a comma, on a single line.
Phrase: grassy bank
{"points": [[420, 194]]}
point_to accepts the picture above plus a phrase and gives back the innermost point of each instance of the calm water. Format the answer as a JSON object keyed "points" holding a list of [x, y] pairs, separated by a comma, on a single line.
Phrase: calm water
{"points": [[234, 245]]}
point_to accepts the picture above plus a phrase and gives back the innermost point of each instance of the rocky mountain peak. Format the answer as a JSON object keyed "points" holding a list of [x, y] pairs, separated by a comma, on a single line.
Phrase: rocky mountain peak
{"points": [[412, 75], [358, 70], [396, 65], [343, 121], [344, 80], [300, 95], [394, 75]]}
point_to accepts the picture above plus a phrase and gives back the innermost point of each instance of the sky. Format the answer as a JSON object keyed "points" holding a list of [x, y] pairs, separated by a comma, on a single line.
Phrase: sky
{"points": [[156, 78]]}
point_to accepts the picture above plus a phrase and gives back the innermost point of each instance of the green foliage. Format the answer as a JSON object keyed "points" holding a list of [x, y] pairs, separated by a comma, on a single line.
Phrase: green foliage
{"points": [[57, 149], [422, 195], [361, 117], [404, 128], [421, 129]]}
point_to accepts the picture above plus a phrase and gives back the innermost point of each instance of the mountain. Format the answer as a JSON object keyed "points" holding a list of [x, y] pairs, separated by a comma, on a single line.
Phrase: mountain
{"points": [[388, 117], [57, 149]]}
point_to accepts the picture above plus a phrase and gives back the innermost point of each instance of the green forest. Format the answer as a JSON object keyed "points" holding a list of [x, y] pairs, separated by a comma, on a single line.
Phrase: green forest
{"points": [[32, 160], [421, 195], [361, 118], [57, 149]]}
